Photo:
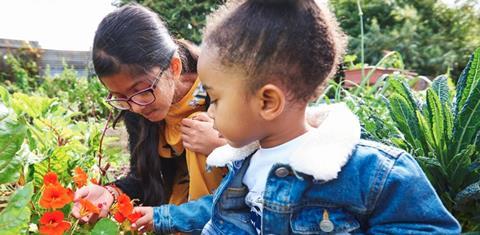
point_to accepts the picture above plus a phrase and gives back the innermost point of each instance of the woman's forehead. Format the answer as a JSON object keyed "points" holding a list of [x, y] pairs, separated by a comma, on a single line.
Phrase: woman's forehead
{"points": [[123, 82]]}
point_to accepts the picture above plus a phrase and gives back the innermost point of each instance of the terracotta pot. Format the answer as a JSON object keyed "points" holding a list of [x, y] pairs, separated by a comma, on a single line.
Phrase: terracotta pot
{"points": [[354, 76]]}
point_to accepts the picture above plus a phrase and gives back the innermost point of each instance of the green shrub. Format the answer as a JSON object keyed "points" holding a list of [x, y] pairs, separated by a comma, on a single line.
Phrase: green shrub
{"points": [[443, 132], [431, 36]]}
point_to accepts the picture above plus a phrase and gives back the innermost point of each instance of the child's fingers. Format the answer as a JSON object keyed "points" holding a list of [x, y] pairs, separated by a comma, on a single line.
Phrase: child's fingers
{"points": [[144, 220], [145, 229], [142, 229]]}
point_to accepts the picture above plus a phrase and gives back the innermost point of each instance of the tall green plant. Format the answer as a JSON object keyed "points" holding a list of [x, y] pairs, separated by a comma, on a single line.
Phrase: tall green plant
{"points": [[444, 133], [80, 94], [40, 134]]}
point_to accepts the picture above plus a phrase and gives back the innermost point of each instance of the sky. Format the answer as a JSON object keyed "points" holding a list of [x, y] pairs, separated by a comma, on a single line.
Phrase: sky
{"points": [[57, 24]]}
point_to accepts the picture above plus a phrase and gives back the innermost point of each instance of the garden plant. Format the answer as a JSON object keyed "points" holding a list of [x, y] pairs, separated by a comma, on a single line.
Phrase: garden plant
{"points": [[53, 128]]}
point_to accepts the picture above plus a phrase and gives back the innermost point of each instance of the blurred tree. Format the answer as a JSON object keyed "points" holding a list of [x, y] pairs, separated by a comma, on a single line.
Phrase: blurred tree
{"points": [[184, 18], [431, 36]]}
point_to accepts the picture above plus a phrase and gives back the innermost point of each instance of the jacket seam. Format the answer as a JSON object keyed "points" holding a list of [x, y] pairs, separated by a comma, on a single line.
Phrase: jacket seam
{"points": [[386, 170]]}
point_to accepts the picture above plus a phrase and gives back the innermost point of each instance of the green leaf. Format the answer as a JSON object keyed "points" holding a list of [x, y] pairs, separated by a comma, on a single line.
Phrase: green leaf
{"points": [[4, 95], [467, 105], [12, 135], [437, 123], [458, 168], [465, 198], [466, 124], [15, 217], [440, 86], [470, 192], [105, 227], [4, 111], [34, 106], [402, 89], [426, 130], [448, 116], [467, 80], [403, 113]]}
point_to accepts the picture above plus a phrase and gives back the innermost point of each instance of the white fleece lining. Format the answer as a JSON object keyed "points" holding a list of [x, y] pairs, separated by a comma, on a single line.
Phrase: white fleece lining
{"points": [[323, 153]]}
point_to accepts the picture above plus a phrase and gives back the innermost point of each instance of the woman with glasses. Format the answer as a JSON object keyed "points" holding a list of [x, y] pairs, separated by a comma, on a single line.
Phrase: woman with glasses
{"points": [[152, 79]]}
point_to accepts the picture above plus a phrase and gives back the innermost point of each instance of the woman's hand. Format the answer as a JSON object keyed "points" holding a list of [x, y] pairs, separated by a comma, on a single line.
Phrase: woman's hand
{"points": [[199, 136], [98, 196], [144, 223]]}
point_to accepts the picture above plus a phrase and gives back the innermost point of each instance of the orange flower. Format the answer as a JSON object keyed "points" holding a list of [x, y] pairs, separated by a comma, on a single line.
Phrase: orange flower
{"points": [[134, 217], [124, 209], [88, 208], [70, 194], [93, 181], [50, 179], [52, 223], [124, 204], [55, 196], [79, 177], [119, 217]]}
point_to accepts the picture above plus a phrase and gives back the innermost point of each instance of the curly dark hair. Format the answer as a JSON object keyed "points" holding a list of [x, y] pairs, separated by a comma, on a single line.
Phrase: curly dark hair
{"points": [[297, 42]]}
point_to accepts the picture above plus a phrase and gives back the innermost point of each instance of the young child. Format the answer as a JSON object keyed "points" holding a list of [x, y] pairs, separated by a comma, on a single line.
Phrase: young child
{"points": [[261, 62]]}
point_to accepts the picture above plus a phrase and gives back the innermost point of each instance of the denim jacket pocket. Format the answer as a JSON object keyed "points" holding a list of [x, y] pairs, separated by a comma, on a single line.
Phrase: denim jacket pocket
{"points": [[234, 198], [322, 220]]}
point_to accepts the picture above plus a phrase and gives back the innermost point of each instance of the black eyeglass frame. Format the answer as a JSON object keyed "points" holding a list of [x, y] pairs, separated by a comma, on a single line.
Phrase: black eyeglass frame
{"points": [[129, 99]]}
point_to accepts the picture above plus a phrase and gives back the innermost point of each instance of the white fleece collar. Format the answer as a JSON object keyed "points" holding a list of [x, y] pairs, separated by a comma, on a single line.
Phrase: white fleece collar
{"points": [[324, 152]]}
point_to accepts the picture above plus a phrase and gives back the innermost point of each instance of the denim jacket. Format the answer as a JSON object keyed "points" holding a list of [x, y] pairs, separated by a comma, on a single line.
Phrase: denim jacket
{"points": [[334, 183]]}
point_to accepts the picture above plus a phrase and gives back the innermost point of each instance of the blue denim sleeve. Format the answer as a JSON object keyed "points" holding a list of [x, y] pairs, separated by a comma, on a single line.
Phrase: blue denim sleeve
{"points": [[408, 204], [188, 217]]}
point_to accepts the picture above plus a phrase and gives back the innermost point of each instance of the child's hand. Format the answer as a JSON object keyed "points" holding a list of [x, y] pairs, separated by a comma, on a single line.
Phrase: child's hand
{"points": [[144, 223]]}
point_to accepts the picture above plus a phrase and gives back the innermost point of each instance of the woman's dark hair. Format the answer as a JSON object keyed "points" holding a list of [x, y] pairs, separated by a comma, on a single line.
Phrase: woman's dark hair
{"points": [[134, 39], [297, 42]]}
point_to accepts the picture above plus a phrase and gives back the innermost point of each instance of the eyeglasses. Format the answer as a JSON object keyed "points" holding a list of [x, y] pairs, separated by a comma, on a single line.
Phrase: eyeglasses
{"points": [[142, 98]]}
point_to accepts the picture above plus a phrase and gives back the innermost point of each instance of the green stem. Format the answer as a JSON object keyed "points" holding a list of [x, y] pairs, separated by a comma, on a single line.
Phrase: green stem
{"points": [[75, 226], [362, 38], [100, 153]]}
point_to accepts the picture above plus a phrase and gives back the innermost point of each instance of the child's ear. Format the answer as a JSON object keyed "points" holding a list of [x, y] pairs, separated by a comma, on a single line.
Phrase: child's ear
{"points": [[272, 101], [176, 66]]}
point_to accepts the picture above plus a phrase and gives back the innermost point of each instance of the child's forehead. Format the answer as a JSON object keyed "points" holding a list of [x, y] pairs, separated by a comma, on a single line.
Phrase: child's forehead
{"points": [[209, 65]]}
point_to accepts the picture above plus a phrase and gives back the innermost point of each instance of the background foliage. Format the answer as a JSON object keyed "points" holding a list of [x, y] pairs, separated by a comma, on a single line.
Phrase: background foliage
{"points": [[184, 18], [55, 123], [431, 36]]}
